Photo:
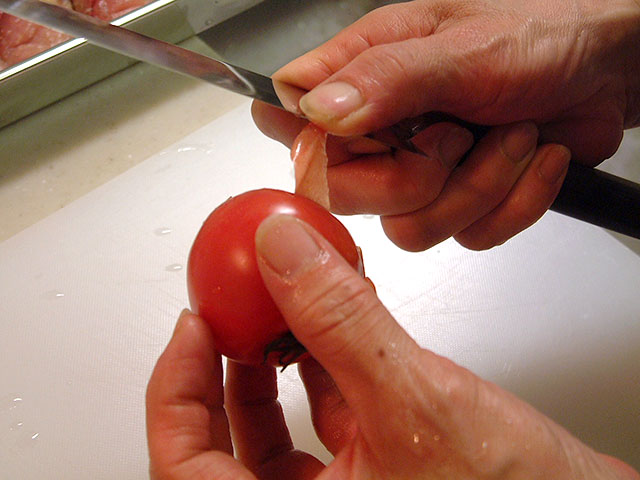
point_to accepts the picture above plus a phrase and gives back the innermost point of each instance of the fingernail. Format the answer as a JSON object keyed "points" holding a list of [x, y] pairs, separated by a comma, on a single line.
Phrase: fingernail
{"points": [[285, 245], [454, 145], [554, 163], [183, 314], [289, 96], [331, 101], [519, 142]]}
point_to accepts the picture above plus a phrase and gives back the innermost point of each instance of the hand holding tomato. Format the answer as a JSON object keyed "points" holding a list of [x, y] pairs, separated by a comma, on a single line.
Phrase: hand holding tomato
{"points": [[225, 287], [383, 406]]}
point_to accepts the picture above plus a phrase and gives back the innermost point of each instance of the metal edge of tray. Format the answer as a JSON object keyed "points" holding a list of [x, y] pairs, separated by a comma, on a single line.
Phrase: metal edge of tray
{"points": [[66, 68]]}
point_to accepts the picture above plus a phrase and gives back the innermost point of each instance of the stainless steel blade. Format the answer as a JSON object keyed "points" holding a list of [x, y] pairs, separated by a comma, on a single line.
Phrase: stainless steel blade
{"points": [[146, 49]]}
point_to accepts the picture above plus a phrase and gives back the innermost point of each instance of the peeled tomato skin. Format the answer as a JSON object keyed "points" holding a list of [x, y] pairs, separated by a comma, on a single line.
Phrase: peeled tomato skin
{"points": [[310, 163]]}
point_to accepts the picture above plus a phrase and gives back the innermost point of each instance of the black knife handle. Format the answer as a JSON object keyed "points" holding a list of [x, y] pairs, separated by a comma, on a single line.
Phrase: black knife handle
{"points": [[587, 194], [600, 198]]}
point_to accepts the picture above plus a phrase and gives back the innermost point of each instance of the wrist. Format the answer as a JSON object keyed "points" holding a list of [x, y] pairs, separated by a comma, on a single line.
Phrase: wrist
{"points": [[632, 67], [633, 111], [618, 24]]}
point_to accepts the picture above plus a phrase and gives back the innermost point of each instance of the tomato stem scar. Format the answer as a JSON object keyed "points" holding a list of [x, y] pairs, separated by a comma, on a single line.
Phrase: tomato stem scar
{"points": [[287, 348]]}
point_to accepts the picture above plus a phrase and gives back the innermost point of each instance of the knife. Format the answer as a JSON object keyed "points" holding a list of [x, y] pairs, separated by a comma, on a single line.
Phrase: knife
{"points": [[587, 194], [146, 49]]}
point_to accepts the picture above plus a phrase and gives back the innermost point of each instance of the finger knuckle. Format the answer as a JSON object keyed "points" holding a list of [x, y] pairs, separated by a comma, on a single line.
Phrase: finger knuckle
{"points": [[456, 394], [487, 190], [477, 241], [408, 233], [417, 191], [527, 209], [332, 316]]}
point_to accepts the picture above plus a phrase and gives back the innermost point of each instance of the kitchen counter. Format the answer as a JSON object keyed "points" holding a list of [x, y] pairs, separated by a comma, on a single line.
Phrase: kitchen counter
{"points": [[67, 149]]}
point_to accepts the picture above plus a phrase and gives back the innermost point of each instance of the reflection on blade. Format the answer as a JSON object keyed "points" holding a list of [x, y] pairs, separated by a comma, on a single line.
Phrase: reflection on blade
{"points": [[144, 48]]}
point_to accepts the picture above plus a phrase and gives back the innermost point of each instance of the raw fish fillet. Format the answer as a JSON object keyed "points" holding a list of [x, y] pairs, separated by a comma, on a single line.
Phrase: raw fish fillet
{"points": [[20, 39], [107, 9], [3, 64]]}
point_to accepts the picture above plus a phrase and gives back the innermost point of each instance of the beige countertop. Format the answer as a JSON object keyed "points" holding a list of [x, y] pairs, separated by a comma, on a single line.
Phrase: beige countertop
{"points": [[62, 152]]}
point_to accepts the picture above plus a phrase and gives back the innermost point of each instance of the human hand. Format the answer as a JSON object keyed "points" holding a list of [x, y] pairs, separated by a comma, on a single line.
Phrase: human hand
{"points": [[571, 69], [189, 415], [384, 407]]}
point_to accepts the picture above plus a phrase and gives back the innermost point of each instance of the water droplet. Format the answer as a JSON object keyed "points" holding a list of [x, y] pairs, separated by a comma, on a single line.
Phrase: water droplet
{"points": [[162, 231], [485, 445], [436, 438], [204, 148], [416, 438], [35, 436], [53, 295], [188, 148], [9, 402], [16, 426], [174, 267]]}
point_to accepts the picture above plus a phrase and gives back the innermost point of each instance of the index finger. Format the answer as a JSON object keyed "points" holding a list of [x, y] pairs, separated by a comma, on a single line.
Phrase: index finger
{"points": [[276, 123], [388, 24]]}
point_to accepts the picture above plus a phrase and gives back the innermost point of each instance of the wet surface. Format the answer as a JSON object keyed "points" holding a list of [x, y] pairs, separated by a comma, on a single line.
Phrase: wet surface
{"points": [[66, 150]]}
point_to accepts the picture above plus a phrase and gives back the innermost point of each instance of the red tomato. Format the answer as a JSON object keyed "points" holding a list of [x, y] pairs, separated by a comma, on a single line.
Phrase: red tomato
{"points": [[225, 286]]}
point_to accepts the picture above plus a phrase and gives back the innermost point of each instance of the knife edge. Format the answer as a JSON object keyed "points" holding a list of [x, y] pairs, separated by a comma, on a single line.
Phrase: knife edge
{"points": [[146, 49]]}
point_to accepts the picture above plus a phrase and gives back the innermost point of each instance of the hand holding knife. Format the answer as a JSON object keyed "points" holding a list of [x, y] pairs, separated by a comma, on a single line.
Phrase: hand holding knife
{"points": [[587, 194]]}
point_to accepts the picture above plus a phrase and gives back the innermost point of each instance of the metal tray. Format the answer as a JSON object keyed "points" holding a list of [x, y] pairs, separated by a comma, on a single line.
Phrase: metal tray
{"points": [[70, 66]]}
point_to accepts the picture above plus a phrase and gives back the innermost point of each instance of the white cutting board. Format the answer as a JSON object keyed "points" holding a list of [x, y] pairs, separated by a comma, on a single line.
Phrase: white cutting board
{"points": [[89, 297]]}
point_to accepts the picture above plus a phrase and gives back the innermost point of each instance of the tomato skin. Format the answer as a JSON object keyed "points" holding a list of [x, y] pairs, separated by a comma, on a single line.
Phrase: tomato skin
{"points": [[224, 283]]}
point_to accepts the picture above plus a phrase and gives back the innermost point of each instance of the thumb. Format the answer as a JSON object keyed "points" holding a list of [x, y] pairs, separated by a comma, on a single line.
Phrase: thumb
{"points": [[332, 311], [385, 84]]}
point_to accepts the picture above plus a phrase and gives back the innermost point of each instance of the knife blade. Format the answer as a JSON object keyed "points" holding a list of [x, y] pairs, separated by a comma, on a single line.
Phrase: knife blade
{"points": [[587, 194], [146, 49]]}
